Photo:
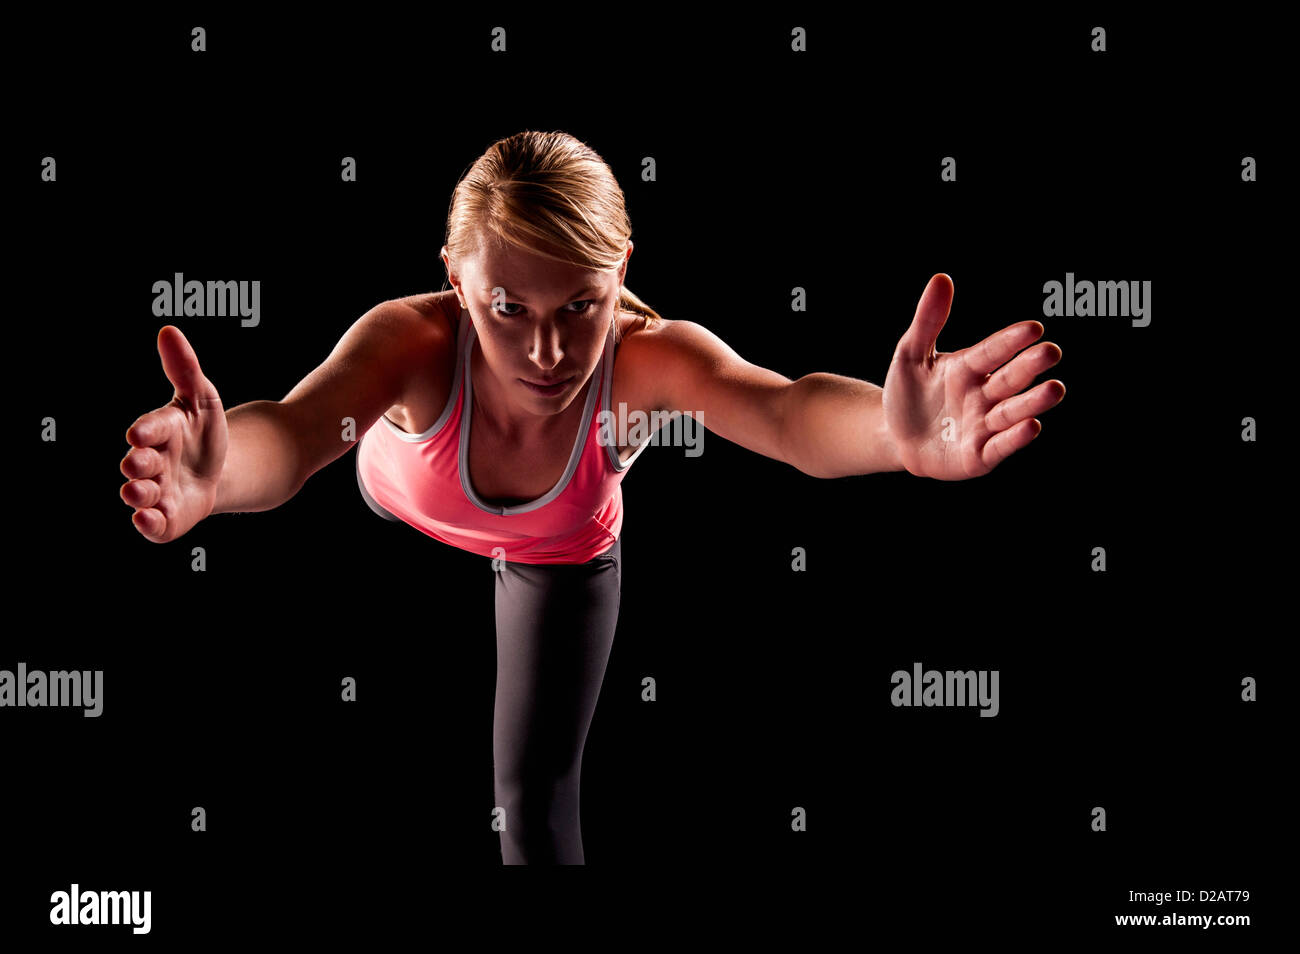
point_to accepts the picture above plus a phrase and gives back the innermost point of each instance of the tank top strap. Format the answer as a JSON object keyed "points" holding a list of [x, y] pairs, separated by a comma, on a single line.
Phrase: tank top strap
{"points": [[463, 324]]}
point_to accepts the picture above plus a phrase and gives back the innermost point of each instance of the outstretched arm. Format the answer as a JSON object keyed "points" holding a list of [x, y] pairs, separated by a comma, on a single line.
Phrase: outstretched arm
{"points": [[824, 425], [949, 416]]}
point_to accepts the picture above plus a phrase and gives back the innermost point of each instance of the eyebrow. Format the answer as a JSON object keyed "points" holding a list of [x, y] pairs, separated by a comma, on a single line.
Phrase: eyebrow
{"points": [[573, 297]]}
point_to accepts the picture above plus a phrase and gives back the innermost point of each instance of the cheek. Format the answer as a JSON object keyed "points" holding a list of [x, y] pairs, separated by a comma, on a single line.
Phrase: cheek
{"points": [[594, 345]]}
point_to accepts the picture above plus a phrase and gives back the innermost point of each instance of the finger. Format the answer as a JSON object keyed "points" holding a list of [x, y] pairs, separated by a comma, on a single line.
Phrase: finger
{"points": [[151, 524], [917, 344], [1014, 376], [153, 429], [1001, 446], [142, 462], [1014, 410], [181, 365], [995, 350], [141, 494]]}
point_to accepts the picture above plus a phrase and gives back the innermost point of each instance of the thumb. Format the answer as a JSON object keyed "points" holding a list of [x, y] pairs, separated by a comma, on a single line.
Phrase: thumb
{"points": [[181, 365], [931, 313]]}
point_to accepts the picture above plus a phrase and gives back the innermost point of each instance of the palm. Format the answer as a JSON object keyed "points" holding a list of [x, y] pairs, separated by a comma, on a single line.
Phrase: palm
{"points": [[959, 414]]}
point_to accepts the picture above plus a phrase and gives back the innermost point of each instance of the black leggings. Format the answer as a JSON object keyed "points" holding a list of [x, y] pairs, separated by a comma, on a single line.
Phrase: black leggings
{"points": [[555, 626]]}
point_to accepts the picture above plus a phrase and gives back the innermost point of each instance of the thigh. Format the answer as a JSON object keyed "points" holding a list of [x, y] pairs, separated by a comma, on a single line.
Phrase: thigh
{"points": [[555, 627]]}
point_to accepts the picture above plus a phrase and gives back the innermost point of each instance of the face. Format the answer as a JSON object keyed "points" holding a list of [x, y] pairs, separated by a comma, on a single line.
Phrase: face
{"points": [[538, 322]]}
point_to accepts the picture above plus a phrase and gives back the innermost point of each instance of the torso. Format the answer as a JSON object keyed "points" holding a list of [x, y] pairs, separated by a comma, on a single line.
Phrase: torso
{"points": [[515, 473]]}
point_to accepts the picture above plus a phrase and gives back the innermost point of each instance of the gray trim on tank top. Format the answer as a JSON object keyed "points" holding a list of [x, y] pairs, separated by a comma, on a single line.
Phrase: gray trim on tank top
{"points": [[445, 416], [606, 401]]}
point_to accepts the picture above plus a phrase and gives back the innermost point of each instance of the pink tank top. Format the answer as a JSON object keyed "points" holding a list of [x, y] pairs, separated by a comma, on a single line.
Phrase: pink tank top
{"points": [[423, 479]]}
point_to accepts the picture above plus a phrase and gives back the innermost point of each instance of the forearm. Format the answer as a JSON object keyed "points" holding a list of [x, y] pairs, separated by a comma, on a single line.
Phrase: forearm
{"points": [[835, 427], [261, 470]]}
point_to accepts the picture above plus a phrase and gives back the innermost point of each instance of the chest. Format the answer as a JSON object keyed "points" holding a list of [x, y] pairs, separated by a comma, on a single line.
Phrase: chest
{"points": [[517, 472], [512, 472]]}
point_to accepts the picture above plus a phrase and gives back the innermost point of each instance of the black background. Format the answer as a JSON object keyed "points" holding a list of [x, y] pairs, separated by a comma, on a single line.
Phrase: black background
{"points": [[1118, 689]]}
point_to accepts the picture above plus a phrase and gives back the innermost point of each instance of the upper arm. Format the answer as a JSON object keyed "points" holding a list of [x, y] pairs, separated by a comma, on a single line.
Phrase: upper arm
{"points": [[697, 373], [367, 373]]}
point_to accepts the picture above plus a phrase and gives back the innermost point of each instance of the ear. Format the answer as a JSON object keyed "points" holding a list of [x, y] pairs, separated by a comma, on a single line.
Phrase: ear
{"points": [[622, 269], [452, 277]]}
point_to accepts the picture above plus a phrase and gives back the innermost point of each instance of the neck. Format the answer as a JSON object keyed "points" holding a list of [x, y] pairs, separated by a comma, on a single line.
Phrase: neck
{"points": [[507, 420]]}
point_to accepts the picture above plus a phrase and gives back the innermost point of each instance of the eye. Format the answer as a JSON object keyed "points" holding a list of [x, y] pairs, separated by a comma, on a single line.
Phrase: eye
{"points": [[587, 305]]}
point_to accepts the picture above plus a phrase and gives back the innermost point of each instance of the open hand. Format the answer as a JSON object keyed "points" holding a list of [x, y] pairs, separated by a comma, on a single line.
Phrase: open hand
{"points": [[959, 414]]}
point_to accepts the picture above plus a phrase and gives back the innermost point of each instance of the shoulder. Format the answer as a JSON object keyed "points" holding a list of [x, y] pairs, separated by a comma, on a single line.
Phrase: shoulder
{"points": [[416, 323], [667, 344], [432, 312], [656, 357], [404, 335], [682, 364]]}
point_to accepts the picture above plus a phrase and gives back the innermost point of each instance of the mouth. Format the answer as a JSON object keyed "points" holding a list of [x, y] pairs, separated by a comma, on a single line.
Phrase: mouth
{"points": [[547, 389]]}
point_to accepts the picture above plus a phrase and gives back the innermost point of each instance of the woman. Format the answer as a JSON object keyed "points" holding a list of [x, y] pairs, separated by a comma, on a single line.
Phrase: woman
{"points": [[477, 409]]}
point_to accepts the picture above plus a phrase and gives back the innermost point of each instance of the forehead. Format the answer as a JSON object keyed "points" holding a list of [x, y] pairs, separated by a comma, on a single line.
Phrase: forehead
{"points": [[523, 272]]}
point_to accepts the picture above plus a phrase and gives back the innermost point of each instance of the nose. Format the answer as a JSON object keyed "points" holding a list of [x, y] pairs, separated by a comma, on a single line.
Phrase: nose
{"points": [[547, 351]]}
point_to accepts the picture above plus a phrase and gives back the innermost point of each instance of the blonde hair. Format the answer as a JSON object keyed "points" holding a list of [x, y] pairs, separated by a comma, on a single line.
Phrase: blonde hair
{"points": [[551, 195]]}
